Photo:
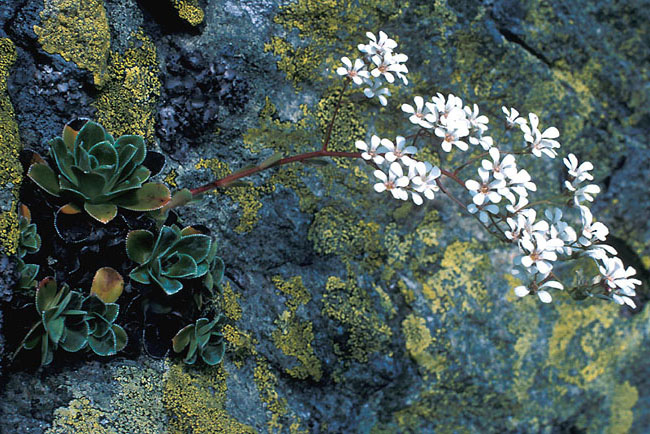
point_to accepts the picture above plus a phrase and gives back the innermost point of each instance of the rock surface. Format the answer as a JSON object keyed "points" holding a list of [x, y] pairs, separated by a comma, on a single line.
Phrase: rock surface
{"points": [[347, 311]]}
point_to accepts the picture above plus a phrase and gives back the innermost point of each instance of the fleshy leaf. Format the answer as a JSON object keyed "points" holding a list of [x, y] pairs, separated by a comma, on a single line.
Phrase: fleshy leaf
{"points": [[89, 135], [213, 353], [45, 178], [170, 286], [105, 346], [103, 212], [120, 337], [196, 246], [46, 295], [184, 267], [71, 129], [182, 338], [141, 275], [70, 209], [149, 197], [108, 285], [75, 339], [139, 245]]}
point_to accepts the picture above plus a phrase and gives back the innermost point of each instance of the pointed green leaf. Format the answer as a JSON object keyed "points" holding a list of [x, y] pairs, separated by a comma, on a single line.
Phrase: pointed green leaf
{"points": [[139, 245], [197, 246], [150, 196], [213, 353], [121, 338], [104, 346], [140, 274], [46, 295], [103, 212], [63, 158], [182, 338], [170, 286], [89, 183], [185, 266], [90, 134], [105, 153], [54, 325], [138, 157], [135, 181], [75, 339], [45, 178], [112, 309]]}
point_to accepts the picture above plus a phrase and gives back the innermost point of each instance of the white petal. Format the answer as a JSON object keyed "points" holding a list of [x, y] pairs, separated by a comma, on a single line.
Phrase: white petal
{"points": [[379, 187], [521, 291], [544, 296]]}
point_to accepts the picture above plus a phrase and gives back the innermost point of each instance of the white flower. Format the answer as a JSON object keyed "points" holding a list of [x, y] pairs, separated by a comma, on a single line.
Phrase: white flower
{"points": [[389, 64], [585, 193], [354, 72], [512, 117], [600, 252], [544, 295], [453, 106], [591, 229], [477, 122], [452, 136], [377, 90], [618, 278], [538, 141], [514, 209], [560, 229], [481, 191], [381, 46], [486, 142], [524, 225], [371, 153], [425, 180], [425, 119], [500, 168], [399, 150], [577, 173], [394, 181], [539, 252], [519, 182]]}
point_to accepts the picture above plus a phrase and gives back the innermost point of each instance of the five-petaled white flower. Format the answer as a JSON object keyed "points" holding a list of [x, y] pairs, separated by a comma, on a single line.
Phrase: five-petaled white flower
{"points": [[452, 136], [540, 142], [486, 142], [380, 46], [484, 190], [591, 229], [387, 65], [539, 252], [543, 294], [376, 90], [354, 72], [394, 181], [477, 122], [585, 193], [425, 179], [619, 280], [420, 115], [577, 173], [372, 152], [398, 150], [512, 117], [500, 167]]}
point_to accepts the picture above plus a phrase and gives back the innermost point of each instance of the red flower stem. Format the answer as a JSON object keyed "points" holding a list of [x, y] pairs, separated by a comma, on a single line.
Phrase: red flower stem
{"points": [[225, 181]]}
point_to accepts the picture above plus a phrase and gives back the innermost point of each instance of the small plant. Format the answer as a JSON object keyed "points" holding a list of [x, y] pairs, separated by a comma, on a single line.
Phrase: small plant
{"points": [[29, 242], [203, 339], [175, 255], [72, 322], [99, 173]]}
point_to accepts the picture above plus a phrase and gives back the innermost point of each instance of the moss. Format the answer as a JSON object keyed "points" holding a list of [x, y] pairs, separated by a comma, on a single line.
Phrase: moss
{"points": [[623, 400], [294, 336], [195, 402], [127, 103], [190, 11], [350, 306], [247, 196], [230, 303], [78, 31], [10, 145]]}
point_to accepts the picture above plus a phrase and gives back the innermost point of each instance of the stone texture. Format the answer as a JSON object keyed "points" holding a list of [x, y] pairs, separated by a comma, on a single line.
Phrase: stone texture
{"points": [[349, 312]]}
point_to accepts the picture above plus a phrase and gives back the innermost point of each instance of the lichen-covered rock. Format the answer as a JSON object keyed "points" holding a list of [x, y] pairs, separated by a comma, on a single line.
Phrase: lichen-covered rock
{"points": [[347, 311]]}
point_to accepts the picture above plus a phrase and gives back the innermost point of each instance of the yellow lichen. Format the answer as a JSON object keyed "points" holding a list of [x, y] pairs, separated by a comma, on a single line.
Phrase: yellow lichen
{"points": [[127, 103], [10, 168], [195, 402], [293, 336], [190, 11], [230, 303], [418, 341], [134, 406], [458, 284], [170, 178], [349, 305], [247, 196], [623, 400], [78, 31]]}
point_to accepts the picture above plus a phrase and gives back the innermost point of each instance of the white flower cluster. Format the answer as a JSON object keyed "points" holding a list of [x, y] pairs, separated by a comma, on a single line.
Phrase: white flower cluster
{"points": [[450, 124], [380, 65], [399, 173]]}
